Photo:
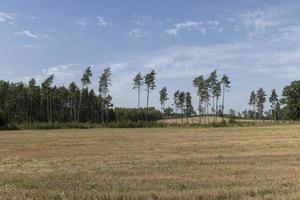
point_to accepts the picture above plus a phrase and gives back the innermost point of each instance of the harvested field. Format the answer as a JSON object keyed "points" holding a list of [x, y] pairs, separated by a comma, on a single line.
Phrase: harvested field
{"points": [[172, 163]]}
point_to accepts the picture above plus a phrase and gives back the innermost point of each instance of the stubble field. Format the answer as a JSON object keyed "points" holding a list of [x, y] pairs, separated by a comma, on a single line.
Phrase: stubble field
{"points": [[168, 163]]}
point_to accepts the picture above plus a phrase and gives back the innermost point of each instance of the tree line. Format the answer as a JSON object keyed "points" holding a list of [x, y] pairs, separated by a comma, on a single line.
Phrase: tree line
{"points": [[286, 107], [209, 92], [47, 103], [20, 102]]}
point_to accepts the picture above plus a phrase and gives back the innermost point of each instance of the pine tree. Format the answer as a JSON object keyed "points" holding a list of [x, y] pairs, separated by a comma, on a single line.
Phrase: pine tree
{"points": [[73, 101], [176, 103], [181, 103], [274, 104], [85, 81], [46, 85], [200, 84], [104, 82], [137, 84], [163, 97], [150, 85], [225, 87], [217, 94], [188, 106], [212, 85], [261, 99], [206, 96], [252, 102], [31, 92]]}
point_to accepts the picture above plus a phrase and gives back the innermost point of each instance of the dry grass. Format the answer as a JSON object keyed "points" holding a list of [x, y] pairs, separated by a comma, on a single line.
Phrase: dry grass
{"points": [[210, 120], [195, 120], [174, 163]]}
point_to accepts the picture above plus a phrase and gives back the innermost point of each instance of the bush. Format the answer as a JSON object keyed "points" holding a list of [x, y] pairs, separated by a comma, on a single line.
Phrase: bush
{"points": [[136, 114], [74, 125]]}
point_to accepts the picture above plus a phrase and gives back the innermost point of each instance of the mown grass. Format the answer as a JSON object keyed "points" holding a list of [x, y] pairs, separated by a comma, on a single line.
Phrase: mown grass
{"points": [[155, 163]]}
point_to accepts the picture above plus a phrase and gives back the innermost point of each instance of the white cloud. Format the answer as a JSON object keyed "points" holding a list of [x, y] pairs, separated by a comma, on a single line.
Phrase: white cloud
{"points": [[82, 23], [200, 26], [29, 46], [187, 25], [8, 18], [101, 22], [48, 37], [266, 62], [27, 34], [215, 22], [137, 33], [259, 23], [148, 20], [63, 74]]}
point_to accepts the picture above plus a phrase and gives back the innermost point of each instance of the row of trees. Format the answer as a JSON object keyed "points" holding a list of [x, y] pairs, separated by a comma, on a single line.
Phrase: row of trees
{"points": [[149, 81], [286, 107], [209, 91], [46, 102], [30, 102]]}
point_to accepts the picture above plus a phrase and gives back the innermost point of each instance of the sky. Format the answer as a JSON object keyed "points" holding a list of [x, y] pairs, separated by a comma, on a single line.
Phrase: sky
{"points": [[255, 42]]}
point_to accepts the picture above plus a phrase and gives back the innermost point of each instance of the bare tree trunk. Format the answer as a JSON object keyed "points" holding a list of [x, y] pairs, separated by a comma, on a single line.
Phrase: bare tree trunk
{"points": [[74, 104], [147, 104], [199, 108], [79, 107], [139, 96], [71, 107], [102, 111], [217, 107], [42, 108], [106, 112], [176, 115], [213, 111], [223, 100], [207, 112], [164, 108], [30, 110], [181, 117], [50, 108], [48, 116]]}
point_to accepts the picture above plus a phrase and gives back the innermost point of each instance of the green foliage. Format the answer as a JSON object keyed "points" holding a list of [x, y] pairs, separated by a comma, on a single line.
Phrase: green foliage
{"points": [[3, 122], [136, 114], [189, 110], [168, 111], [137, 84], [138, 81], [232, 116], [76, 125], [163, 97], [150, 85], [86, 77], [150, 80], [291, 100], [261, 100], [275, 105]]}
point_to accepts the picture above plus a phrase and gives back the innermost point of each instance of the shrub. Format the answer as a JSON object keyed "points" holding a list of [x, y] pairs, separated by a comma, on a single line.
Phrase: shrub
{"points": [[136, 114]]}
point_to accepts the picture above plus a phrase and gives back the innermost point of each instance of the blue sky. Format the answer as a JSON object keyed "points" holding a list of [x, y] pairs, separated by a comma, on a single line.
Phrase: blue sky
{"points": [[255, 42]]}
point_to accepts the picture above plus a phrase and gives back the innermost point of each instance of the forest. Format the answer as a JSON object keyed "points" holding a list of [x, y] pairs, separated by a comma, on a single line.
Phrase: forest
{"points": [[46, 103]]}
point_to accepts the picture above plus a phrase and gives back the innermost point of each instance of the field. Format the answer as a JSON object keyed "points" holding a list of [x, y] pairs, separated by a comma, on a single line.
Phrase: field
{"points": [[173, 163], [210, 120], [195, 120]]}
